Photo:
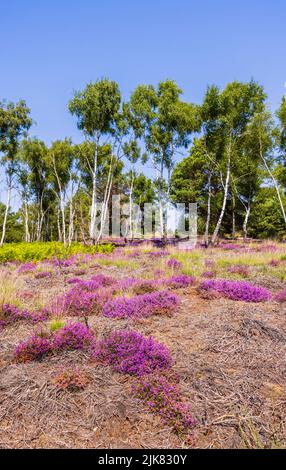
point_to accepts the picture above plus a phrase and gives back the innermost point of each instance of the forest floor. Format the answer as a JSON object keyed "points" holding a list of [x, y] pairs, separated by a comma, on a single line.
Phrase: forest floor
{"points": [[230, 357]]}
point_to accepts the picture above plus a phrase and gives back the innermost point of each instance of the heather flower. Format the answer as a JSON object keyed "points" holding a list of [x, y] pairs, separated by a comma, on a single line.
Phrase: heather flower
{"points": [[230, 246], [155, 303], [26, 268], [174, 264], [208, 274], [43, 274], [35, 348], [131, 353], [165, 399], [239, 269], [64, 263], [74, 336], [236, 290], [12, 314], [78, 302], [96, 282], [177, 282], [274, 262], [158, 254], [74, 280], [281, 296], [209, 263]]}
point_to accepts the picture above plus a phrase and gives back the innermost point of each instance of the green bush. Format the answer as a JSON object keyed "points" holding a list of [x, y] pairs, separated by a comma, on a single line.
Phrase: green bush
{"points": [[39, 251]]}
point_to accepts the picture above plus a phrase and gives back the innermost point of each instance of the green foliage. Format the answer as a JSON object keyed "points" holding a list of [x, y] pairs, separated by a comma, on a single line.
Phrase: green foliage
{"points": [[39, 251], [266, 219], [96, 107]]}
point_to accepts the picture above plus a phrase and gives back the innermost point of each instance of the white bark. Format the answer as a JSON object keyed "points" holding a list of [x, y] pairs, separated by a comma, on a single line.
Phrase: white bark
{"points": [[26, 216], [226, 186], [208, 210], [93, 211], [131, 207], [245, 222]]}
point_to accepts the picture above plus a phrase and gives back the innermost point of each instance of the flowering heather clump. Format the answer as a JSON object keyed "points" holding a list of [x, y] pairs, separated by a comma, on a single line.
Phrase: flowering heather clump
{"points": [[209, 263], [71, 380], [78, 302], [155, 303], [11, 314], [131, 353], [26, 268], [239, 269], [73, 280], [158, 254], [145, 287], [236, 290], [176, 282], [35, 348], [137, 286], [80, 272], [281, 296], [74, 336], [230, 246], [96, 282], [208, 274], [274, 262], [43, 274], [174, 264], [64, 263], [134, 254], [164, 399]]}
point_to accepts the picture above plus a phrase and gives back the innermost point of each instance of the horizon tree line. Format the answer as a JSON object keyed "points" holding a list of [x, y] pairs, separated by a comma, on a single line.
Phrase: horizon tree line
{"points": [[227, 154]]}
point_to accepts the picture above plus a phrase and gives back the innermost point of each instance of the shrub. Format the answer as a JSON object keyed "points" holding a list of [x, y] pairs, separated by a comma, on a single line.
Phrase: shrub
{"points": [[158, 254], [131, 353], [176, 282], [236, 290], [174, 264], [81, 303], [39, 251], [156, 303], [239, 269], [96, 282], [208, 274], [164, 399], [274, 263], [34, 348], [74, 336], [71, 380], [281, 296], [43, 274], [12, 314], [138, 286], [26, 268]]}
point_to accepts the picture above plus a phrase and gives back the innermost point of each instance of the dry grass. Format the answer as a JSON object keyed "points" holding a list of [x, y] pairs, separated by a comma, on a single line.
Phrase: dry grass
{"points": [[230, 357]]}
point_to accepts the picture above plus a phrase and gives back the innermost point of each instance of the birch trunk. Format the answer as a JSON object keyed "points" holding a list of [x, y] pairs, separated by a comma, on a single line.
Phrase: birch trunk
{"points": [[208, 210], [226, 186], [26, 215], [131, 208], [106, 198], [93, 211], [245, 222]]}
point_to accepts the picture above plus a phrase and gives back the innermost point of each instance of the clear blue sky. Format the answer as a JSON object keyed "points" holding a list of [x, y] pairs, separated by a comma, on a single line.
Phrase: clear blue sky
{"points": [[51, 48]]}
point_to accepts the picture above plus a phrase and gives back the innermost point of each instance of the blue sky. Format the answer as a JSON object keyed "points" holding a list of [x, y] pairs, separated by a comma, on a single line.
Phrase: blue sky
{"points": [[51, 48]]}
